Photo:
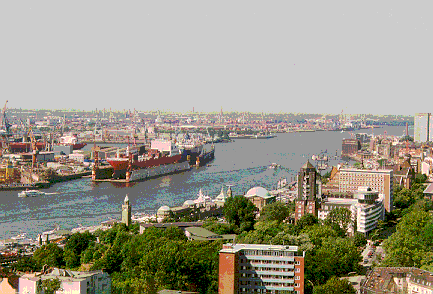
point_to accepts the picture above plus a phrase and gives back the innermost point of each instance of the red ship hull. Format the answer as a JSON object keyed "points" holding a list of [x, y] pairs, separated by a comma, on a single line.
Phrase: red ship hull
{"points": [[119, 164], [19, 147], [78, 146]]}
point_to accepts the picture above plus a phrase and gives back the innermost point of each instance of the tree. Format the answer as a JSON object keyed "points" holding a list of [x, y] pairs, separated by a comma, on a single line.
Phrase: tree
{"points": [[335, 257], [50, 254], [359, 239], [276, 211], [76, 244], [340, 217], [48, 286], [305, 221], [403, 198], [217, 227], [240, 213], [410, 244], [335, 286], [420, 178]]}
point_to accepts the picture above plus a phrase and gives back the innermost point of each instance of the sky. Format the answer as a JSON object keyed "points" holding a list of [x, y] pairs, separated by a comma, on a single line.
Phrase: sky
{"points": [[372, 57]]}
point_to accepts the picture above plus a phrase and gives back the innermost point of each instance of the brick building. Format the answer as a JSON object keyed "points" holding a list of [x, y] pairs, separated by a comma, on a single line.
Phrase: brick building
{"points": [[252, 268], [350, 146], [308, 189]]}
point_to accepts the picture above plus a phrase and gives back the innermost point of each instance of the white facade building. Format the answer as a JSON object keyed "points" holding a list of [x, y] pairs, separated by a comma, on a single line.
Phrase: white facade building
{"points": [[421, 127], [367, 209], [72, 282]]}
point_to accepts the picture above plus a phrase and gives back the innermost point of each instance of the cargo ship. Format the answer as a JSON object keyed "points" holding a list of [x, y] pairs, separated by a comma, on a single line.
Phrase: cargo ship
{"points": [[163, 158], [71, 140], [198, 155]]}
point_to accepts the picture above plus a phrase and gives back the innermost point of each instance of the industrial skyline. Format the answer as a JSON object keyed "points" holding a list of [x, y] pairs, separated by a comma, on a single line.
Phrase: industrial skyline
{"points": [[245, 56]]}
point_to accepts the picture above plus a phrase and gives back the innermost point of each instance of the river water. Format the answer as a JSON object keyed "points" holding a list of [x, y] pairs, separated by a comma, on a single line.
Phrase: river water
{"points": [[242, 163]]}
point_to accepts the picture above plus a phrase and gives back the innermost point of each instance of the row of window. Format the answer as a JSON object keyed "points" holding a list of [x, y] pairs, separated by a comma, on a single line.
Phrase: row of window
{"points": [[268, 253], [273, 269], [268, 291], [248, 275], [276, 262]]}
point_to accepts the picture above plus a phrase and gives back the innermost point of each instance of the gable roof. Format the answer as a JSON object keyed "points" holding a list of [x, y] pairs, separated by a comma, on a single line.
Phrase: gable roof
{"points": [[308, 165]]}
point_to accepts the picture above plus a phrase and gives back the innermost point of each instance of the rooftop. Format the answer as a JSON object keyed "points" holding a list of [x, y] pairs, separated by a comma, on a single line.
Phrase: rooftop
{"points": [[233, 248]]}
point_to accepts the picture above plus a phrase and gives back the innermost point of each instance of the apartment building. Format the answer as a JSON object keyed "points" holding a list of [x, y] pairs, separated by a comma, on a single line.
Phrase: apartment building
{"points": [[366, 207], [95, 282], [308, 189], [378, 180], [384, 280], [253, 268]]}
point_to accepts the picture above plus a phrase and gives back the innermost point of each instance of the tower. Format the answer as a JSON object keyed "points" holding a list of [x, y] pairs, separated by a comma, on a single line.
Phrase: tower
{"points": [[307, 191], [229, 192], [126, 211]]}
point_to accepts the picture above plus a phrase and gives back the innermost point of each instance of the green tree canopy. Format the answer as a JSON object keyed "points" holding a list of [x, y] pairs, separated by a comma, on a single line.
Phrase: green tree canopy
{"points": [[76, 244], [335, 286], [410, 245], [50, 254], [305, 221], [276, 211], [340, 217], [48, 286], [240, 213]]}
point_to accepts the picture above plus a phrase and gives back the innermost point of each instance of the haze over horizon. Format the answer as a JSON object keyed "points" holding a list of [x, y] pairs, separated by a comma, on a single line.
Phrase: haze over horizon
{"points": [[251, 56]]}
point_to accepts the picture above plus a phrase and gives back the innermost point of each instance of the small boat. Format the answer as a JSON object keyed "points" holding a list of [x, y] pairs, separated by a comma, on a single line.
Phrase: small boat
{"points": [[274, 166], [30, 193]]}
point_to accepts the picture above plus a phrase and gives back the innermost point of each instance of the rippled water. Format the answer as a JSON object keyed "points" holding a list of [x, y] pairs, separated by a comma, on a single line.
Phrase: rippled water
{"points": [[243, 163]]}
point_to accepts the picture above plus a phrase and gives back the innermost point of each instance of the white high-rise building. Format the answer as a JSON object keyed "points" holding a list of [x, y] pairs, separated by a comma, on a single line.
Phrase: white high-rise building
{"points": [[422, 128]]}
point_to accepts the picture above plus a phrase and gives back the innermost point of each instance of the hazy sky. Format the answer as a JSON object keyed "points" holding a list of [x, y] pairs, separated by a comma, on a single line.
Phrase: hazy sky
{"points": [[272, 56]]}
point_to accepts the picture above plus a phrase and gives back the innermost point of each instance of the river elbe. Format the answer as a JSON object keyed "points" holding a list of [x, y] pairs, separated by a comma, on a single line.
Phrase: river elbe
{"points": [[243, 163]]}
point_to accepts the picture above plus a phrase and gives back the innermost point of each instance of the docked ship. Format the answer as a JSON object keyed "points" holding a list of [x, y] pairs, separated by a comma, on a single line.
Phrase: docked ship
{"points": [[71, 140], [21, 147], [164, 157], [198, 155]]}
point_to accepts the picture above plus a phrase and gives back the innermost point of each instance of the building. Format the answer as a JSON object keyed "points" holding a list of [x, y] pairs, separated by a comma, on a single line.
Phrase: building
{"points": [[378, 180], [252, 268], [260, 197], [307, 191], [96, 282], [421, 127], [181, 225], [350, 146], [126, 211], [384, 280], [8, 283], [202, 234], [366, 207]]}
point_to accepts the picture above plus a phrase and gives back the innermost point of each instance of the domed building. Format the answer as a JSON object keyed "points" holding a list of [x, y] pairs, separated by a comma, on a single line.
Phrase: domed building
{"points": [[260, 197], [221, 198], [163, 211], [189, 203]]}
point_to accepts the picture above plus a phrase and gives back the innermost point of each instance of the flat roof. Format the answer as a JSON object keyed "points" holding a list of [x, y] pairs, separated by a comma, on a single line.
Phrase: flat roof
{"points": [[382, 171], [232, 248]]}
